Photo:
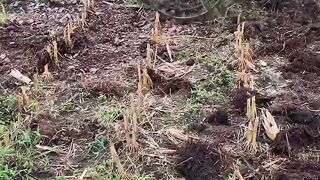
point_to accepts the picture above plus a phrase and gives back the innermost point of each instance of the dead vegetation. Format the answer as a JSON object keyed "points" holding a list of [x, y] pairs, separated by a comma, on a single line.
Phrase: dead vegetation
{"points": [[111, 94]]}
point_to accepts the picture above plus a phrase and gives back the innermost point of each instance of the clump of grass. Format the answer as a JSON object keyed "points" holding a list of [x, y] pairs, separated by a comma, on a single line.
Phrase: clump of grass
{"points": [[213, 90], [184, 55], [17, 141], [8, 108], [67, 105], [108, 114], [98, 147]]}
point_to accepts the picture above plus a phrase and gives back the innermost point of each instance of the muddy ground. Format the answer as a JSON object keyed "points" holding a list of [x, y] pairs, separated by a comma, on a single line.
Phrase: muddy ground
{"points": [[82, 108]]}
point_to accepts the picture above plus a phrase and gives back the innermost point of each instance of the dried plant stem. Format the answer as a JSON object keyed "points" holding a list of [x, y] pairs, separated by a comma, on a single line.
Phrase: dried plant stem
{"points": [[126, 127], [116, 158]]}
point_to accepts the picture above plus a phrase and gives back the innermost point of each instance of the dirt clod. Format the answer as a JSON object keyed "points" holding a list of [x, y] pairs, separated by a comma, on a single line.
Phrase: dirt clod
{"points": [[190, 62], [241, 95], [198, 161], [197, 127], [219, 117], [107, 87], [165, 85], [46, 128], [301, 117], [293, 140]]}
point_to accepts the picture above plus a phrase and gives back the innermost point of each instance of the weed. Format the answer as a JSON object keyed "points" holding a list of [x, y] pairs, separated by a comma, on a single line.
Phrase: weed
{"points": [[102, 97], [214, 89], [16, 164], [16, 145], [184, 55], [67, 105], [108, 114], [211, 61], [230, 175], [60, 178], [102, 171], [28, 139], [193, 106], [8, 108], [99, 147], [143, 176], [33, 106]]}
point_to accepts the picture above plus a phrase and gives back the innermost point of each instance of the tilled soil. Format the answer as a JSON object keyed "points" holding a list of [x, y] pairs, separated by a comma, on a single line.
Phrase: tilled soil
{"points": [[104, 56]]}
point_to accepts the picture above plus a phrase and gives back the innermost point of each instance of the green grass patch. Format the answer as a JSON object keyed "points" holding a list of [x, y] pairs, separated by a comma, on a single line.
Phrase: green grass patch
{"points": [[108, 114], [18, 158], [218, 83]]}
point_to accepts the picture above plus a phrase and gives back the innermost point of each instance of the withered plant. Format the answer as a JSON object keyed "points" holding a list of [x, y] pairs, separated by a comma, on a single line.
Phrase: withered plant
{"points": [[243, 53], [252, 131], [47, 76], [55, 51], [157, 30]]}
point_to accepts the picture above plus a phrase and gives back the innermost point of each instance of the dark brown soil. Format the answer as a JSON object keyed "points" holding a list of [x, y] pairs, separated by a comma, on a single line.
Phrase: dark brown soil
{"points": [[219, 117], [291, 33], [241, 95], [199, 161], [298, 170], [115, 39], [164, 85], [294, 140]]}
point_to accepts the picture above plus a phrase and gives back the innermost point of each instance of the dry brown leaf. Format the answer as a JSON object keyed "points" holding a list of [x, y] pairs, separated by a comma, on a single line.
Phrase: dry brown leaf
{"points": [[251, 66], [146, 80], [83, 174], [169, 52], [238, 173], [269, 124], [17, 74], [177, 134]]}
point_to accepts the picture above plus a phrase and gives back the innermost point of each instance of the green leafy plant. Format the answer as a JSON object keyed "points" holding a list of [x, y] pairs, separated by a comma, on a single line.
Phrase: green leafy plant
{"points": [[108, 114], [8, 108], [28, 139]]}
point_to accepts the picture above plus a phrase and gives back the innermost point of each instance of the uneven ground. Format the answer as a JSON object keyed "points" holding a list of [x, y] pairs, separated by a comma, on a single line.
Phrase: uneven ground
{"points": [[66, 130]]}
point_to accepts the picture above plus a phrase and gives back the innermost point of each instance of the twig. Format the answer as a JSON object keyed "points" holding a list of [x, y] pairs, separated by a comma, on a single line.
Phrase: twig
{"points": [[288, 144], [47, 148]]}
